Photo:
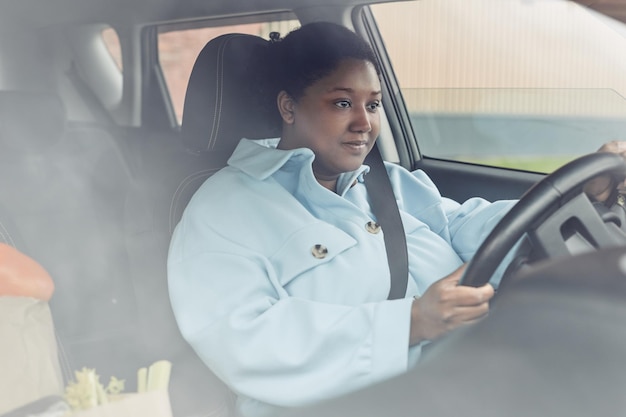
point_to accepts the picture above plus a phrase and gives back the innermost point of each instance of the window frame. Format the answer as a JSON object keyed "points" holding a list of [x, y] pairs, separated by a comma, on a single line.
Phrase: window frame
{"points": [[406, 143]]}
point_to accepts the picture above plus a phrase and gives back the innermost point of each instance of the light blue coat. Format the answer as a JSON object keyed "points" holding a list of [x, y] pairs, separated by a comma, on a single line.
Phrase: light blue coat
{"points": [[282, 322]]}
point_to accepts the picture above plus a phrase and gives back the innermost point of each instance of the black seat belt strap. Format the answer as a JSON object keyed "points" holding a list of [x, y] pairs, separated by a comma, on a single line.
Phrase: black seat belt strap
{"points": [[385, 208]]}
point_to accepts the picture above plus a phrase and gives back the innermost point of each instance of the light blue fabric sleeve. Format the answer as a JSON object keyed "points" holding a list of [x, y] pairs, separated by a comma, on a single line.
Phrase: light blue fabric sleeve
{"points": [[464, 225]]}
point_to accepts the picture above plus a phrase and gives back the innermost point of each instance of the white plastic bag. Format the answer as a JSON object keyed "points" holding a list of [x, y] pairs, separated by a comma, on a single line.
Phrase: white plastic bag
{"points": [[28, 353]]}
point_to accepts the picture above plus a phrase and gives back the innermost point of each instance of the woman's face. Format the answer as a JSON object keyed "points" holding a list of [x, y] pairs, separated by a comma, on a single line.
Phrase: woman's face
{"points": [[337, 118]]}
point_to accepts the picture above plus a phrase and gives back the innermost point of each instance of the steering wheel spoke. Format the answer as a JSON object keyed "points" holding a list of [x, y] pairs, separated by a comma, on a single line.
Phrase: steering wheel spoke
{"points": [[574, 228]]}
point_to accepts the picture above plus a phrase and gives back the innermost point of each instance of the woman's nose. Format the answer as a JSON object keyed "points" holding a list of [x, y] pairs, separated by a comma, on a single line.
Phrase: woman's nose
{"points": [[361, 121]]}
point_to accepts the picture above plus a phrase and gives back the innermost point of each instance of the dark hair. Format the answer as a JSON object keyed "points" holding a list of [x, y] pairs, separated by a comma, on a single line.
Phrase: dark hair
{"points": [[310, 53]]}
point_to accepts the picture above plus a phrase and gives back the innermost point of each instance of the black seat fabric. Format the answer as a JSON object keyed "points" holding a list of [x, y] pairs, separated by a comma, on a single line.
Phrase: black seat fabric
{"points": [[30, 122], [63, 202], [165, 169], [227, 98]]}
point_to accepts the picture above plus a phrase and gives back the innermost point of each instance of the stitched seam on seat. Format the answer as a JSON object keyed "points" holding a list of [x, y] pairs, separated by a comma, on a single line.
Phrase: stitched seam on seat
{"points": [[216, 114], [6, 236], [218, 93], [179, 190]]}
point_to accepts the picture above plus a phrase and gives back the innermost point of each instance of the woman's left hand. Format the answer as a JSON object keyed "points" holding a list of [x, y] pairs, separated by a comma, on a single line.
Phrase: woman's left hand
{"points": [[601, 187]]}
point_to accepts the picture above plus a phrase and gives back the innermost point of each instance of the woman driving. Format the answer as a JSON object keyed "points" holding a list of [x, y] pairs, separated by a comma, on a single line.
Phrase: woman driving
{"points": [[285, 297]]}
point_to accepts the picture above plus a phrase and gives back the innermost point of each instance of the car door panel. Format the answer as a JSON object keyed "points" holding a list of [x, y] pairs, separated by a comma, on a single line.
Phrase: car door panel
{"points": [[461, 181]]}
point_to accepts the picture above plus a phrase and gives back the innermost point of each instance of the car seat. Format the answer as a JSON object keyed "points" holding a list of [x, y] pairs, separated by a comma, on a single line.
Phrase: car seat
{"points": [[63, 200], [224, 102], [227, 98]]}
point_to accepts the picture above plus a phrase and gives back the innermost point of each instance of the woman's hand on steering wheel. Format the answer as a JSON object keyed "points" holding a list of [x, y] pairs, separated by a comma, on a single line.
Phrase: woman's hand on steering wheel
{"points": [[603, 186], [446, 306]]}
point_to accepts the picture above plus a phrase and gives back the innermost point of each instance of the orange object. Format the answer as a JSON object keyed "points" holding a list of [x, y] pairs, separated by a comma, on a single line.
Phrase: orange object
{"points": [[22, 276]]}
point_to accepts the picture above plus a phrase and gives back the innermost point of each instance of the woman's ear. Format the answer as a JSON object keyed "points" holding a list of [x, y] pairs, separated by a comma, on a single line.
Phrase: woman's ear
{"points": [[286, 106]]}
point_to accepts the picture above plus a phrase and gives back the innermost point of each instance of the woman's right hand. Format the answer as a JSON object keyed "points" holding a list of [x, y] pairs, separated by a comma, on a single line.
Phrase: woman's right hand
{"points": [[446, 306]]}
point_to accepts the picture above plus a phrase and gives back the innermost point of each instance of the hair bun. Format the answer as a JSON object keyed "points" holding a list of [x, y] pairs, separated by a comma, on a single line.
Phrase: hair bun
{"points": [[275, 37]]}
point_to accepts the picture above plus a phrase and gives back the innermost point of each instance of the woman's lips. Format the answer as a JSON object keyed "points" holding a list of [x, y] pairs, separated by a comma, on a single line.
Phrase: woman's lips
{"points": [[356, 145]]}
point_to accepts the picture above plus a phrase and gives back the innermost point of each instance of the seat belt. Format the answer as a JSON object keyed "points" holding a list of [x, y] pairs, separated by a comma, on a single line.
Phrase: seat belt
{"points": [[385, 208]]}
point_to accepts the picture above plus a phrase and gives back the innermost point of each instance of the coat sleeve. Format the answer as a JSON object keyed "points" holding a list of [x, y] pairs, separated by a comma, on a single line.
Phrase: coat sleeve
{"points": [[270, 346], [464, 225]]}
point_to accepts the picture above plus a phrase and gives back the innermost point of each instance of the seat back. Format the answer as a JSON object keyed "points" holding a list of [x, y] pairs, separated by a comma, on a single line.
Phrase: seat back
{"points": [[165, 169], [64, 195], [227, 98]]}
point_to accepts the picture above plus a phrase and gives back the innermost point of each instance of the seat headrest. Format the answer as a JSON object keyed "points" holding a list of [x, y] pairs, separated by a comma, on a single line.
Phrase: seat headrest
{"points": [[226, 98], [30, 121]]}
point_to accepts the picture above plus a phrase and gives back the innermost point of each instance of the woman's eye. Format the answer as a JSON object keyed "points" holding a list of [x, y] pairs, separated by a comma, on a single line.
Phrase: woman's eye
{"points": [[373, 106], [344, 104]]}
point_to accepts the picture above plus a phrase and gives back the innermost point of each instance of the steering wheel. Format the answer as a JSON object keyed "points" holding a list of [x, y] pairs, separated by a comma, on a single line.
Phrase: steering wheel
{"points": [[557, 215]]}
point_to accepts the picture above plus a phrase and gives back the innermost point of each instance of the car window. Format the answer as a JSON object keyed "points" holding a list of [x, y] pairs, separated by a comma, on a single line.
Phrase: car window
{"points": [[511, 83], [112, 42], [178, 49]]}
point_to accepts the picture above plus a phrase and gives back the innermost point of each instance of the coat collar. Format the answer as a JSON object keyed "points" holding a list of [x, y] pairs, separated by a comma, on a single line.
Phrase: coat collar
{"points": [[260, 159]]}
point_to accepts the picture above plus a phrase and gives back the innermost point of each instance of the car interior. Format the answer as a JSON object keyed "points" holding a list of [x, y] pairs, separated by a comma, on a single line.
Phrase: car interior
{"points": [[96, 171]]}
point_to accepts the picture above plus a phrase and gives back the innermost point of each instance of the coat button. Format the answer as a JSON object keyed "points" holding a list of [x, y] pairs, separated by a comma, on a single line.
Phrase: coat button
{"points": [[319, 251], [372, 227]]}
